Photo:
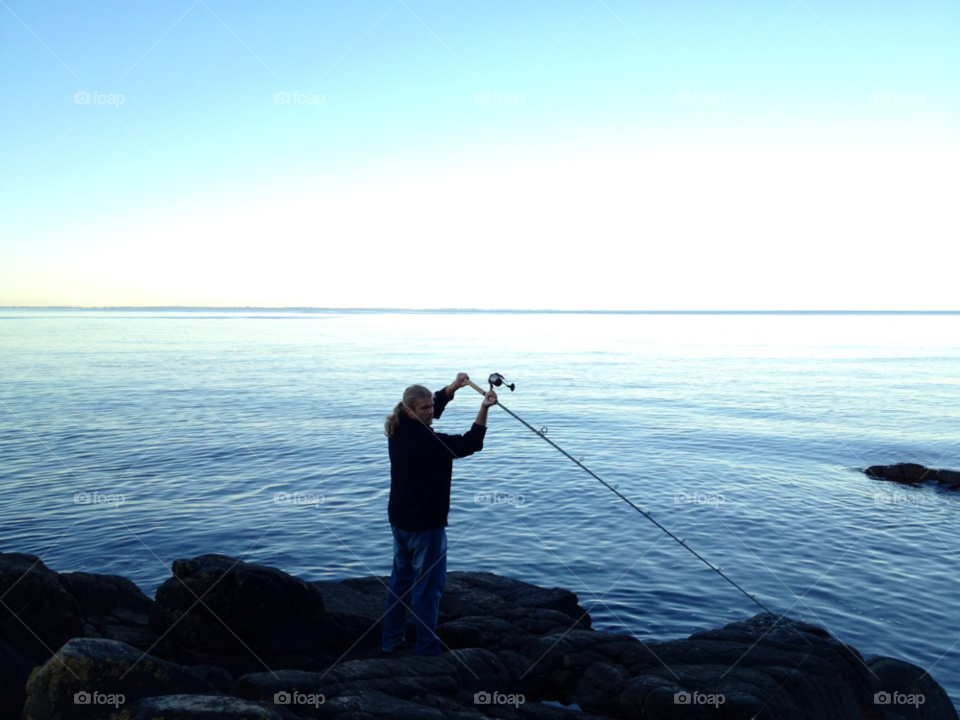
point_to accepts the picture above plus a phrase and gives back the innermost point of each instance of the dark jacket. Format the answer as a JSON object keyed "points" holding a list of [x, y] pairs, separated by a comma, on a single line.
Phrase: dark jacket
{"points": [[421, 468]]}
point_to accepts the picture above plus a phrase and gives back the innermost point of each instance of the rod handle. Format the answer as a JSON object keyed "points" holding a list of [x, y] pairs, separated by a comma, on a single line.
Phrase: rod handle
{"points": [[476, 387]]}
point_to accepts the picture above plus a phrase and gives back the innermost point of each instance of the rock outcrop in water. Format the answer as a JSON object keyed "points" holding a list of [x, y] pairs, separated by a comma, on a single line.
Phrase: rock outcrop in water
{"points": [[227, 639], [912, 474]]}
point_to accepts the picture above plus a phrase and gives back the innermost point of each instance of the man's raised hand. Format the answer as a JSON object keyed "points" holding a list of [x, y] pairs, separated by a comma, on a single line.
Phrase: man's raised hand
{"points": [[489, 398], [462, 381]]}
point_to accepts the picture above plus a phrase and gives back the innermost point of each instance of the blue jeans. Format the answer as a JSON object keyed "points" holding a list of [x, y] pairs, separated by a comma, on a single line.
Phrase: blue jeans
{"points": [[419, 575]]}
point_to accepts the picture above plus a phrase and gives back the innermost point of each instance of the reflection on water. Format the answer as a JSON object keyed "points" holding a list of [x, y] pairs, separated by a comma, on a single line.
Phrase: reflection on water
{"points": [[199, 419]]}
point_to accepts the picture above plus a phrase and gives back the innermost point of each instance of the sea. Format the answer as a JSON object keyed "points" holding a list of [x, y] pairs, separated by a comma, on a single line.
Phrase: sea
{"points": [[130, 438]]}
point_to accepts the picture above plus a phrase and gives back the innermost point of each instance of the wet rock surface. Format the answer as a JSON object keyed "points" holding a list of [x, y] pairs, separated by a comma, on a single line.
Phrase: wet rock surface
{"points": [[227, 639]]}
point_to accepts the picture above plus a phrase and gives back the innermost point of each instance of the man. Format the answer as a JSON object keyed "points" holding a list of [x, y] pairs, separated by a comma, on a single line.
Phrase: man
{"points": [[421, 469]]}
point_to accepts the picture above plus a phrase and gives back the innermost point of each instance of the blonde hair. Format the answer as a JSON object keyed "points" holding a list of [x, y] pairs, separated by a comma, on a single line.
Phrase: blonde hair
{"points": [[410, 396]]}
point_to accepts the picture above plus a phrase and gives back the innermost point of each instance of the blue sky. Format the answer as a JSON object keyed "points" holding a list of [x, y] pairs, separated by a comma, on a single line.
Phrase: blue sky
{"points": [[568, 155]]}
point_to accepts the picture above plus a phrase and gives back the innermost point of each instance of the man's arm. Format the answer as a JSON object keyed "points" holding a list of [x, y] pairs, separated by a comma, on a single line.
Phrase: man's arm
{"points": [[433, 444], [442, 397], [490, 398], [440, 401], [462, 381]]}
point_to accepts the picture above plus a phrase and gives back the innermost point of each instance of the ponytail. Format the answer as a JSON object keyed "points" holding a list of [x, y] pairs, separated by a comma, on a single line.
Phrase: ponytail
{"points": [[410, 395]]}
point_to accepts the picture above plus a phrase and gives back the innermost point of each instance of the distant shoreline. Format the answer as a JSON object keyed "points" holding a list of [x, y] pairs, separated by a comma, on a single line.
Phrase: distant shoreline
{"points": [[422, 311]]}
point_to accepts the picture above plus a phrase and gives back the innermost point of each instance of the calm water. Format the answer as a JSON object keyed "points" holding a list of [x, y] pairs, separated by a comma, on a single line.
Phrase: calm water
{"points": [[199, 418]]}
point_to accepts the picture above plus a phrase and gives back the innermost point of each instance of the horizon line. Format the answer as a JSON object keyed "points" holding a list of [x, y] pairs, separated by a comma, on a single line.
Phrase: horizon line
{"points": [[248, 308]]}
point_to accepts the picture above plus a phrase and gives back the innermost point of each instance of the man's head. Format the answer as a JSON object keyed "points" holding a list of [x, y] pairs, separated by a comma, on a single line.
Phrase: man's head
{"points": [[418, 404]]}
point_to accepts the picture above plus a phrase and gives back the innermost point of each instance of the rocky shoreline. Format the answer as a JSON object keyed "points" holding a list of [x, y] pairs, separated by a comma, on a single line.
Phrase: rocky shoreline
{"points": [[228, 639]]}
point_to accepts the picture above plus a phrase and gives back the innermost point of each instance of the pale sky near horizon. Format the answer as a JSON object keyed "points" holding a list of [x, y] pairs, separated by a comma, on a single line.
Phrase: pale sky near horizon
{"points": [[571, 155]]}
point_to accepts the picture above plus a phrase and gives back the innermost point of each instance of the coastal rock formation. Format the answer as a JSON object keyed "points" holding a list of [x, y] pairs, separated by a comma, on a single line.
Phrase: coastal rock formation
{"points": [[112, 607], [91, 678], [911, 474], [201, 707], [268, 646], [219, 611], [38, 616]]}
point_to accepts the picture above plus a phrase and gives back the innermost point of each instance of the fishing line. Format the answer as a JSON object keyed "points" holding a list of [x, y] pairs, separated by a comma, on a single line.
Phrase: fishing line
{"points": [[498, 380]]}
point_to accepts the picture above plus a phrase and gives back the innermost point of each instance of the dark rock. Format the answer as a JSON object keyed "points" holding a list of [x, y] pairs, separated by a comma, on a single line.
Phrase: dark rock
{"points": [[777, 667], [103, 594], [899, 680], [948, 477], [113, 608], [355, 615], [216, 676], [37, 616], [375, 704], [477, 609], [201, 707], [470, 670], [240, 616], [510, 639], [107, 667], [909, 473], [15, 668], [599, 687], [465, 586], [634, 695]]}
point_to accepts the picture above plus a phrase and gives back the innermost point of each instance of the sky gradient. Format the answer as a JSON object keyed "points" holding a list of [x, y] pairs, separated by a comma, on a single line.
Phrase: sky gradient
{"points": [[590, 155]]}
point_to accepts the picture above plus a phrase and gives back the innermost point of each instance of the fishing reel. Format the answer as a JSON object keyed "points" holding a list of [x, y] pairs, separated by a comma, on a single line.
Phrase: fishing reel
{"points": [[497, 380]]}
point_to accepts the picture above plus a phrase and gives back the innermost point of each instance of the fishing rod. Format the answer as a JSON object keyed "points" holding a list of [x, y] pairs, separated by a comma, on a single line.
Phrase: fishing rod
{"points": [[497, 380]]}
